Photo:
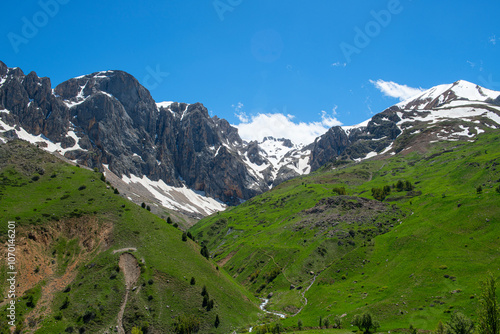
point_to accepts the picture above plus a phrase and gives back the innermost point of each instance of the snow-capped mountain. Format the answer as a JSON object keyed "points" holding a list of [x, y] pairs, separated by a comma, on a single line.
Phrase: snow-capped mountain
{"points": [[457, 111], [178, 157]]}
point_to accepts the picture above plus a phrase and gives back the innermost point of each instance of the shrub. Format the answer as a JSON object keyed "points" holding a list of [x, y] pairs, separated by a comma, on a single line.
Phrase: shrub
{"points": [[65, 304], [337, 322], [186, 324], [339, 190], [479, 190], [193, 281], [184, 236], [270, 276], [148, 208], [137, 330], [116, 191], [204, 251], [299, 324], [82, 188], [365, 322], [459, 324], [143, 205]]}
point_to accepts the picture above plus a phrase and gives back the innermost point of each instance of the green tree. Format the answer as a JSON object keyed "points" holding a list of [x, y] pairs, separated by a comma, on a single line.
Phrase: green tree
{"points": [[193, 281], [217, 321], [204, 251], [184, 236], [459, 324], [143, 205], [210, 304], [299, 324], [365, 322], [169, 220], [205, 301], [337, 321], [479, 190], [440, 328], [488, 313], [326, 323], [320, 321], [204, 290]]}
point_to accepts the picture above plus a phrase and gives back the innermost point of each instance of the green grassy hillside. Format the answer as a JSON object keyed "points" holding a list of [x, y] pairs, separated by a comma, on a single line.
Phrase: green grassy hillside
{"points": [[412, 259], [69, 223]]}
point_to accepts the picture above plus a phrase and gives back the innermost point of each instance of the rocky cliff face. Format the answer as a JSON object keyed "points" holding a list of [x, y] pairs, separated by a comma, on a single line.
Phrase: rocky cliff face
{"points": [[109, 119], [114, 121]]}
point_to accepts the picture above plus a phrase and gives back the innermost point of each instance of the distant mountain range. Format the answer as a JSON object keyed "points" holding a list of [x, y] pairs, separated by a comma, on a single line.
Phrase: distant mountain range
{"points": [[196, 164]]}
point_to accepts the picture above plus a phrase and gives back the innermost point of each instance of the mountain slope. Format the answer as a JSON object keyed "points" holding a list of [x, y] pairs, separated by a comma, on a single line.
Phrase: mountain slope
{"points": [[409, 259], [174, 155], [72, 232]]}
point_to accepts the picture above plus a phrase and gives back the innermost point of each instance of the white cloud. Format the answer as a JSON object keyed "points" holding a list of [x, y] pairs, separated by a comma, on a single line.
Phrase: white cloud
{"points": [[337, 64], [392, 89], [242, 116], [493, 40], [279, 125]]}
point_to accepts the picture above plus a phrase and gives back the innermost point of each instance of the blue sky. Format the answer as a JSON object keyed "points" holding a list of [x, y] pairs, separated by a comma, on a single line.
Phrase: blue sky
{"points": [[288, 67]]}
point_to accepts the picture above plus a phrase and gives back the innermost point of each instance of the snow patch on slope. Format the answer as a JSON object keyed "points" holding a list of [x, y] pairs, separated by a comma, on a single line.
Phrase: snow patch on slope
{"points": [[175, 198], [50, 146]]}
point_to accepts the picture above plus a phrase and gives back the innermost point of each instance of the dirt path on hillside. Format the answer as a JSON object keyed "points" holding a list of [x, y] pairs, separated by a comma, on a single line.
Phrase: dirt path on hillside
{"points": [[130, 267], [130, 249]]}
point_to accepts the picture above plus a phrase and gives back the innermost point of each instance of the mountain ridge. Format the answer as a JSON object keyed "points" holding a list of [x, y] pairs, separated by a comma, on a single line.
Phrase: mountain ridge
{"points": [[108, 120]]}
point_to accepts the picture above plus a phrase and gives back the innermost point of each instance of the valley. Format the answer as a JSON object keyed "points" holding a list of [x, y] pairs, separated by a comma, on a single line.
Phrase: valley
{"points": [[133, 215]]}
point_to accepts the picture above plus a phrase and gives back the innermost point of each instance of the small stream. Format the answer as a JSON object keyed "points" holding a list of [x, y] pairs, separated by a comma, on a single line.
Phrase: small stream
{"points": [[263, 305]]}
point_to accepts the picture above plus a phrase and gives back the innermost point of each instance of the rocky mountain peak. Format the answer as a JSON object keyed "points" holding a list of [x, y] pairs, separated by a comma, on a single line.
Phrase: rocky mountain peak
{"points": [[179, 154]]}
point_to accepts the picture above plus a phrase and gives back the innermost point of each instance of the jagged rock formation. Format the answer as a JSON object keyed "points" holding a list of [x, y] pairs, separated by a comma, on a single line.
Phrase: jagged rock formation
{"points": [[110, 121]]}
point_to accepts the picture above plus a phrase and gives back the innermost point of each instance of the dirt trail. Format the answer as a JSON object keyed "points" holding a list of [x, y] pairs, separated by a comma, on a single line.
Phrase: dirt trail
{"points": [[130, 249], [131, 270]]}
